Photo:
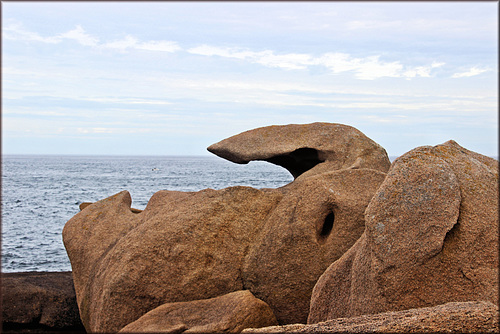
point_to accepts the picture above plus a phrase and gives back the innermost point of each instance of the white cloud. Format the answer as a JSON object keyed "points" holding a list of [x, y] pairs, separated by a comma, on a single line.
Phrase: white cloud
{"points": [[17, 32], [164, 46], [126, 43], [366, 68], [130, 42], [267, 58], [80, 36], [471, 72]]}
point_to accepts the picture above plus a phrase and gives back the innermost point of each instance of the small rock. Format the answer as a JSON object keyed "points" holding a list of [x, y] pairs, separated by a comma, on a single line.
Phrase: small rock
{"points": [[230, 313]]}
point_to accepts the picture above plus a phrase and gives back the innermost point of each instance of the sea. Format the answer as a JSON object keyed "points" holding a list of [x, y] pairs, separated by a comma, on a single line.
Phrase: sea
{"points": [[40, 193]]}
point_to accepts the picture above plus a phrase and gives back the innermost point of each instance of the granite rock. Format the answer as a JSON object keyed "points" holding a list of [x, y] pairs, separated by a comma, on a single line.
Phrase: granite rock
{"points": [[305, 148], [230, 313], [454, 317], [431, 237], [44, 300]]}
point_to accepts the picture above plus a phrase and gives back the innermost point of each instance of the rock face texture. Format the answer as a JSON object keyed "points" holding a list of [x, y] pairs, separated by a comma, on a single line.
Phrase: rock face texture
{"points": [[455, 317], [317, 220], [193, 246], [230, 313], [431, 237], [305, 148], [39, 300]]}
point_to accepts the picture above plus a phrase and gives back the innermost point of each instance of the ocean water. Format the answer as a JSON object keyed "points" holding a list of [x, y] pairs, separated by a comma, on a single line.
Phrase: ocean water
{"points": [[41, 193]]}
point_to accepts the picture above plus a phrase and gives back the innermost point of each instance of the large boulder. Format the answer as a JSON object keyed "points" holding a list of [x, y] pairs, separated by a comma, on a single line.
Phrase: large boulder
{"points": [[314, 224], [39, 300], [182, 247], [305, 148], [199, 245], [191, 246], [230, 313], [431, 237], [454, 317]]}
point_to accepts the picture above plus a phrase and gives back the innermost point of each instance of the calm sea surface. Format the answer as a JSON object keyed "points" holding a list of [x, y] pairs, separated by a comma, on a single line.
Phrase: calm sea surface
{"points": [[41, 193]]}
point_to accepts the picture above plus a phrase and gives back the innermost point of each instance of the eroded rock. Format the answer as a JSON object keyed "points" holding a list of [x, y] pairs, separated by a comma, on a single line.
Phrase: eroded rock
{"points": [[455, 317], [199, 245], [305, 148], [431, 237], [230, 313], [317, 220]]}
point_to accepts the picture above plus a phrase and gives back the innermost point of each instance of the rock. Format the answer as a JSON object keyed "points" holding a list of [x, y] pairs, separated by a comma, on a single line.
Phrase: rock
{"points": [[85, 204], [305, 148], [317, 220], [431, 237], [230, 313], [43, 300], [182, 247], [454, 317], [200, 245]]}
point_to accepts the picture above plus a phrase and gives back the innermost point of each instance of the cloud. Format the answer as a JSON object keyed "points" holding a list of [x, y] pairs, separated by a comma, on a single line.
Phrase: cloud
{"points": [[267, 58], [79, 35], [365, 68], [471, 72], [18, 32], [370, 67], [421, 71], [164, 46], [130, 42]]}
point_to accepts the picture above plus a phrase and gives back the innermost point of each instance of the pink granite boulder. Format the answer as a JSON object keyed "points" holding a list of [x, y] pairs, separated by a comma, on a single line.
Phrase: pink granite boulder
{"points": [[431, 237]]}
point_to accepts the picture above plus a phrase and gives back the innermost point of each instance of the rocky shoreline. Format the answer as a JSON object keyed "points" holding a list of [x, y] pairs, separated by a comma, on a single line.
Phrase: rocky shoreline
{"points": [[45, 302], [354, 243]]}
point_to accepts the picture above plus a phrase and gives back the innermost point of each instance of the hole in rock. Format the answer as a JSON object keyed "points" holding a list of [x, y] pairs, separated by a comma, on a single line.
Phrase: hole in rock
{"points": [[298, 161], [327, 226]]}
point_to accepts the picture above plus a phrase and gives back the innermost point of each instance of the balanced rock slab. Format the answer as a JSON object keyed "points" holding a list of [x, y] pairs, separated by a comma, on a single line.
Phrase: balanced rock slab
{"points": [[431, 237], [230, 313], [305, 148]]}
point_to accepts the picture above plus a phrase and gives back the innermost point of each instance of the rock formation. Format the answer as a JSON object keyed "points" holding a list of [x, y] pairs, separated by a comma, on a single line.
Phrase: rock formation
{"points": [[305, 148], [230, 313], [39, 300], [431, 237], [189, 246], [455, 317]]}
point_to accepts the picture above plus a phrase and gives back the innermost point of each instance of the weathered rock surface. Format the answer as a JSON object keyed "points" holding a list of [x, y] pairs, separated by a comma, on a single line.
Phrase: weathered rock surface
{"points": [[305, 148], [431, 237], [317, 220], [43, 300], [193, 246], [455, 317], [182, 247], [85, 204], [230, 313]]}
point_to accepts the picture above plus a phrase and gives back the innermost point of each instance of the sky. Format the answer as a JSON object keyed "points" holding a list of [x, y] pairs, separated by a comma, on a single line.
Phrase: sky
{"points": [[172, 78]]}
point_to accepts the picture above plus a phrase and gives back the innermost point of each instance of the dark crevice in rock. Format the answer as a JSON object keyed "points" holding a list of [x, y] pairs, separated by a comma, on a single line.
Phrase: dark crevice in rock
{"points": [[297, 162], [326, 228]]}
